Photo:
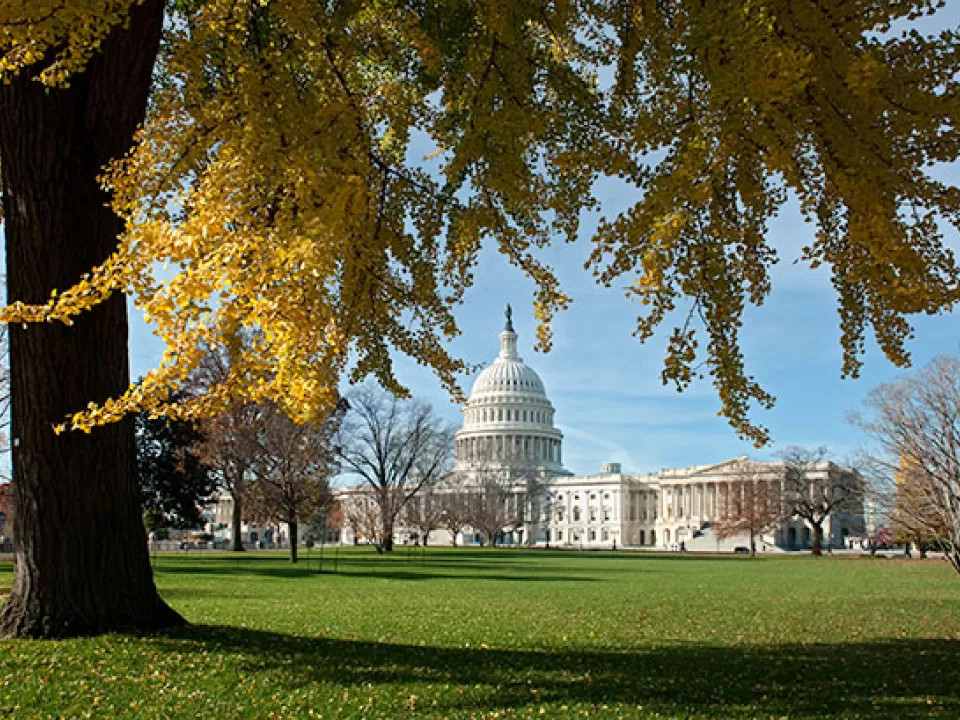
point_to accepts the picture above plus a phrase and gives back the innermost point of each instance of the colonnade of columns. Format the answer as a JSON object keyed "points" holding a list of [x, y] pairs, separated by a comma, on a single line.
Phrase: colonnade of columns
{"points": [[499, 413], [508, 446], [711, 501]]}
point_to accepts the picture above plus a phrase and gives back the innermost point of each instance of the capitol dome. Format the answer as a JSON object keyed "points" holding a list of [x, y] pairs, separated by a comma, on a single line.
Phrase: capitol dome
{"points": [[508, 420]]}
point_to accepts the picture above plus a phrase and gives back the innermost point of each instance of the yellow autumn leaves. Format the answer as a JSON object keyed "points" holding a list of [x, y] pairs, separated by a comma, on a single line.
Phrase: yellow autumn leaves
{"points": [[277, 185]]}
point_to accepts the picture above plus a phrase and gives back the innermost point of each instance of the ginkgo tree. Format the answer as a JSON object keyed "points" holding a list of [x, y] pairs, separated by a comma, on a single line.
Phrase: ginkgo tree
{"points": [[272, 184]]}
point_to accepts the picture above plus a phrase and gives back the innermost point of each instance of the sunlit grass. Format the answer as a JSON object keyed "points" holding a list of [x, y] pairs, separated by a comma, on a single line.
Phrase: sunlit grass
{"points": [[496, 633]]}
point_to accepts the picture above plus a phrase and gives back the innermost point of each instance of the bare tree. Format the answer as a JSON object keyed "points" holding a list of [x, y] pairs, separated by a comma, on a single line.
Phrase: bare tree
{"points": [[914, 519], [231, 445], [292, 471], [456, 511], [396, 447], [915, 464], [493, 508], [362, 515], [815, 488], [498, 495], [752, 511], [425, 513]]}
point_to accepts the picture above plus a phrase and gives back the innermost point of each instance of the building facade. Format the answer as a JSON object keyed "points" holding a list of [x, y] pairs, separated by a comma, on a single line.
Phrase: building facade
{"points": [[508, 441]]}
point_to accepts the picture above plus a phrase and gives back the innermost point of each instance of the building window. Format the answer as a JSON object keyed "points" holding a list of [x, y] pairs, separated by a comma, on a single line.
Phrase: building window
{"points": [[606, 514], [604, 536], [593, 535], [560, 515], [559, 534], [576, 514], [593, 514]]}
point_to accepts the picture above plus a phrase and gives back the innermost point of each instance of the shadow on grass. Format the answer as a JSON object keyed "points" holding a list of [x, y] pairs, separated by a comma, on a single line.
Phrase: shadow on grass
{"points": [[414, 564], [878, 680], [392, 571]]}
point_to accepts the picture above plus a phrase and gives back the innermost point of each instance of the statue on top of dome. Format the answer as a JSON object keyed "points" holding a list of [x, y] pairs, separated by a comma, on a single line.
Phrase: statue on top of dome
{"points": [[509, 313]]}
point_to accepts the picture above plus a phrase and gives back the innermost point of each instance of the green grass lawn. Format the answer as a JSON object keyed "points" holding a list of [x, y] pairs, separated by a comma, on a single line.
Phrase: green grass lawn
{"points": [[483, 634]]}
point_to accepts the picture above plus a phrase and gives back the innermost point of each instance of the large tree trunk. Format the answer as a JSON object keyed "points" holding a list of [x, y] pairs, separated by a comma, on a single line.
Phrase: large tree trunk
{"points": [[817, 539], [81, 558], [236, 522], [293, 527]]}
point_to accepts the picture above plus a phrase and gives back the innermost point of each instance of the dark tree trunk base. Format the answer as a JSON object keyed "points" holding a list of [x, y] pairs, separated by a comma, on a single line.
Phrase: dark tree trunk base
{"points": [[23, 618]]}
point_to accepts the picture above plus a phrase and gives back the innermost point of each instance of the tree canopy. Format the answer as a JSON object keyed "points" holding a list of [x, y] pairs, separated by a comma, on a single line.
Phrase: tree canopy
{"points": [[173, 480], [276, 183]]}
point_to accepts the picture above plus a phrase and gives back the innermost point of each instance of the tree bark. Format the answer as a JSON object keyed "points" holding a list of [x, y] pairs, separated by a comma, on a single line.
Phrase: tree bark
{"points": [[236, 523], [953, 557], [817, 548], [293, 526], [81, 559]]}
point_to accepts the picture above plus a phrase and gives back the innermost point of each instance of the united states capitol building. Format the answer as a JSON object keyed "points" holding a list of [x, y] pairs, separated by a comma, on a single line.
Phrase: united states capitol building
{"points": [[508, 432]]}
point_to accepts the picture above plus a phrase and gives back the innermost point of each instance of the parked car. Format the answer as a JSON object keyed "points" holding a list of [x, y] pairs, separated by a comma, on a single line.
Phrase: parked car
{"points": [[741, 550]]}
